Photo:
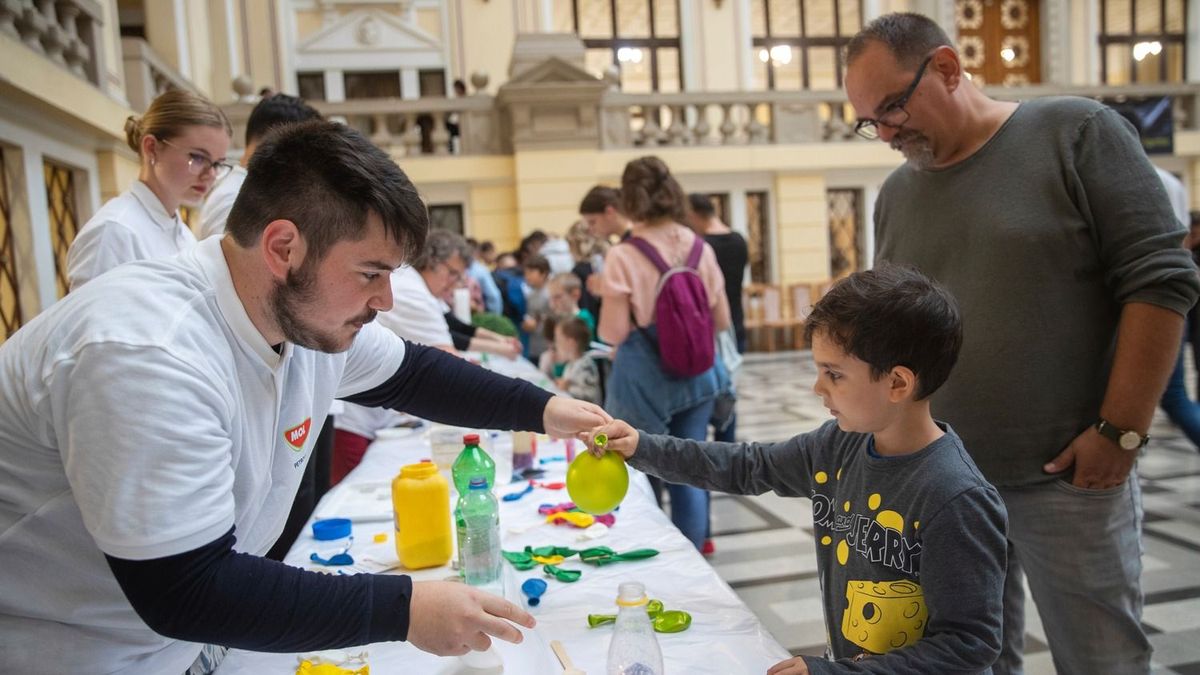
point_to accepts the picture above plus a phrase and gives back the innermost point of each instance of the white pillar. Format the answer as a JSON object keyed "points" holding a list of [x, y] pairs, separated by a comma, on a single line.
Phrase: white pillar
{"points": [[335, 86], [39, 219], [410, 84]]}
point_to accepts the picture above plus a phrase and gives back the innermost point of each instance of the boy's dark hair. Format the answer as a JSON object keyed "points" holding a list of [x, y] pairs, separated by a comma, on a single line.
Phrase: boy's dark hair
{"points": [[577, 330], [487, 247], [325, 177], [892, 316], [275, 111], [537, 262], [600, 198], [909, 36], [701, 205]]}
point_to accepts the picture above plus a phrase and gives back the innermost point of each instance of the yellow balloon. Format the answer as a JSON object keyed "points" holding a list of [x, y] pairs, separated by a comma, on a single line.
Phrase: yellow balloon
{"points": [[597, 486]]}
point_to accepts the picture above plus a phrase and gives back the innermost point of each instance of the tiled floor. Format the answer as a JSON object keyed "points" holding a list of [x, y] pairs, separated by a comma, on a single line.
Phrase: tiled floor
{"points": [[765, 548]]}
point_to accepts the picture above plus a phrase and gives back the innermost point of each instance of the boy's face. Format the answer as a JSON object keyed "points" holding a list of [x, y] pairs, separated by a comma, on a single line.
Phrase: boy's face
{"points": [[858, 402], [535, 278], [564, 347]]}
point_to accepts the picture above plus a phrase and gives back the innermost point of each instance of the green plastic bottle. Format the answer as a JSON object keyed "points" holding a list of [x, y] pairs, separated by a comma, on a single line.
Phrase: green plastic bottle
{"points": [[472, 462]]}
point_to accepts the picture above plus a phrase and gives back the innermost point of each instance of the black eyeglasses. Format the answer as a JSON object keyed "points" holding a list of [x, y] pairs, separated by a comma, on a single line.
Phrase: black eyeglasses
{"points": [[894, 115], [198, 163]]}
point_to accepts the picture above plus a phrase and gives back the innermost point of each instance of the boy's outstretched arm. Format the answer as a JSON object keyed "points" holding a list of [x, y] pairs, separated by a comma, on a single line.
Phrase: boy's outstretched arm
{"points": [[737, 468]]}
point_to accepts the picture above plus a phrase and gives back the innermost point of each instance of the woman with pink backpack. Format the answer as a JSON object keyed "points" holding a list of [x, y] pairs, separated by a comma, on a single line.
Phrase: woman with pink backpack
{"points": [[663, 301]]}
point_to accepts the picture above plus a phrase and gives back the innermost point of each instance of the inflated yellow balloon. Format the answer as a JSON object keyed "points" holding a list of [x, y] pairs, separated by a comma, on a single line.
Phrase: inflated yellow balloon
{"points": [[597, 485]]}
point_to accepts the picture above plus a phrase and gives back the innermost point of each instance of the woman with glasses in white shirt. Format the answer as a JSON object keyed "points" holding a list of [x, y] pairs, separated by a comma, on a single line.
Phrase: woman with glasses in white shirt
{"points": [[181, 141]]}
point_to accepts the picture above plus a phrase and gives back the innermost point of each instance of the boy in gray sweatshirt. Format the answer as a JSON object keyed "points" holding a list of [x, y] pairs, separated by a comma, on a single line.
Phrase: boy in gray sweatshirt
{"points": [[910, 537]]}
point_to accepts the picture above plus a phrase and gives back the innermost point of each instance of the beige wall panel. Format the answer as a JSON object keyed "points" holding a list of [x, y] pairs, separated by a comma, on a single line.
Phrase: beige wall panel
{"points": [[493, 168], [483, 32], [117, 171], [718, 62], [263, 51], [308, 23], [200, 46], [161, 33], [430, 21], [494, 199], [801, 218]]}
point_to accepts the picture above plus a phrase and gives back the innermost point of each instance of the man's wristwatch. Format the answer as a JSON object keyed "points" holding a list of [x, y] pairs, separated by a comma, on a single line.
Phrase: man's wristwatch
{"points": [[1126, 439]]}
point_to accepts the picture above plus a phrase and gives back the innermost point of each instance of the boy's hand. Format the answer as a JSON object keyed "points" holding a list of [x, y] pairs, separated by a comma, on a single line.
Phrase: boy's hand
{"points": [[794, 666], [622, 439]]}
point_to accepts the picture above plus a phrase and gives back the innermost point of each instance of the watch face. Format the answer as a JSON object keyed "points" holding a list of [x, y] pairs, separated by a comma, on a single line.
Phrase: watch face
{"points": [[1130, 440]]}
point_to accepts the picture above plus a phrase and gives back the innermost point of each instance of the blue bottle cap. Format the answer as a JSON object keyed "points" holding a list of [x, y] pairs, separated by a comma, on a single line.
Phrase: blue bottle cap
{"points": [[478, 483], [331, 528]]}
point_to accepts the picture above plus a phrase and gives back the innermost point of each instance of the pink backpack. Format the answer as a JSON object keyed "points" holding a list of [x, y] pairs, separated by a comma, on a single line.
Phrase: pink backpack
{"points": [[681, 313]]}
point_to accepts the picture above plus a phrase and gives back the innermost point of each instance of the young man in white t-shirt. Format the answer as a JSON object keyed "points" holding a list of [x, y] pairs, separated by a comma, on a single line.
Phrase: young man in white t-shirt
{"points": [[154, 426]]}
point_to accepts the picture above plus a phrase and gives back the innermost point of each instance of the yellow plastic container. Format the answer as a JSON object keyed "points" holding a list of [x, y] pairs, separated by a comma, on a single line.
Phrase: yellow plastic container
{"points": [[421, 499]]}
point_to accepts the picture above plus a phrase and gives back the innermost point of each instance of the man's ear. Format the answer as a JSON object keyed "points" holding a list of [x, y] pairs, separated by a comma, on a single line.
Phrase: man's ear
{"points": [[283, 248], [947, 65], [902, 384]]}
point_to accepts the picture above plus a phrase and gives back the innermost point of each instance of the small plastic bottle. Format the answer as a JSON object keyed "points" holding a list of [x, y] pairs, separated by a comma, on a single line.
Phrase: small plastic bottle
{"points": [[477, 518], [634, 649], [472, 462]]}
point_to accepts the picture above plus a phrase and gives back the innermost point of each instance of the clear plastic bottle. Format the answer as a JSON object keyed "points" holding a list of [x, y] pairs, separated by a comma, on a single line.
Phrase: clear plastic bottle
{"points": [[634, 649], [472, 462], [477, 518]]}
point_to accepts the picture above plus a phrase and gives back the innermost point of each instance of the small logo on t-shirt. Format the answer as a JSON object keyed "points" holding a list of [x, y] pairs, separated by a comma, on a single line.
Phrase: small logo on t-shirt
{"points": [[297, 435]]}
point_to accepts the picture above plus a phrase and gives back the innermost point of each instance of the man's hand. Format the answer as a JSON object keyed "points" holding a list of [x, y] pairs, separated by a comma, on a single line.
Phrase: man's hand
{"points": [[622, 439], [449, 619], [793, 666], [565, 417], [1099, 463]]}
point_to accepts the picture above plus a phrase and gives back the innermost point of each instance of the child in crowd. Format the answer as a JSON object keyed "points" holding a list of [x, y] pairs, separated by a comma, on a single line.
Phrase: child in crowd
{"points": [[533, 304], [564, 290], [910, 537], [580, 377]]}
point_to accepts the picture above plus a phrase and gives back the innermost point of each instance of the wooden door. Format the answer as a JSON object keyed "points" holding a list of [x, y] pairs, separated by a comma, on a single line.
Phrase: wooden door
{"points": [[998, 41]]}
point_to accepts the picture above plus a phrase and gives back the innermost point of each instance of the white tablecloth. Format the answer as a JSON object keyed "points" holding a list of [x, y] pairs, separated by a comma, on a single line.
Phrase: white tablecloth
{"points": [[725, 637]]}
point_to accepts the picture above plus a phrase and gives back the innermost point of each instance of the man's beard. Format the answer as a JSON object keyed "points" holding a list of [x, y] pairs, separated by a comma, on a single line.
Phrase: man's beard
{"points": [[287, 302], [915, 147]]}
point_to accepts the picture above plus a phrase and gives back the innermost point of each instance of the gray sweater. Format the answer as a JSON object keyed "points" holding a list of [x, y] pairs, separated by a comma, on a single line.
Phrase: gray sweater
{"points": [[910, 550], [1042, 235]]}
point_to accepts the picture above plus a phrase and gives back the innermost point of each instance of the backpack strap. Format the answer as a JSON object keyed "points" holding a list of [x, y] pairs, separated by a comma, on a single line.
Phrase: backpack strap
{"points": [[650, 252]]}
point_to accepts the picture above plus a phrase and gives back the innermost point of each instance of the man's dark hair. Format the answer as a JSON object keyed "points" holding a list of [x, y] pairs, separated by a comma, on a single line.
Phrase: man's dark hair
{"points": [[701, 205], [910, 37], [275, 111], [325, 177], [536, 261], [600, 198], [892, 316]]}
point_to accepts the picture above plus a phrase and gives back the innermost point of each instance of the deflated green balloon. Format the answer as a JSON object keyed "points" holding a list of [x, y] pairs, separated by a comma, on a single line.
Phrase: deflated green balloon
{"points": [[663, 620], [565, 576]]}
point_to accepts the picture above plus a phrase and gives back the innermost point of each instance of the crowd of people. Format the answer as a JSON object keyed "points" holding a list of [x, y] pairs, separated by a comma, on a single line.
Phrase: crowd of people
{"points": [[166, 428]]}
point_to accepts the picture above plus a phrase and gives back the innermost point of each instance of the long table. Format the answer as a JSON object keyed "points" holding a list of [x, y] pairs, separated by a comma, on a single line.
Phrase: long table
{"points": [[725, 636]]}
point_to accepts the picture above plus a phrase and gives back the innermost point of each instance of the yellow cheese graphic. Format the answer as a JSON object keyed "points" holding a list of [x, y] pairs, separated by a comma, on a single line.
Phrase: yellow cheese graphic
{"points": [[884, 615]]}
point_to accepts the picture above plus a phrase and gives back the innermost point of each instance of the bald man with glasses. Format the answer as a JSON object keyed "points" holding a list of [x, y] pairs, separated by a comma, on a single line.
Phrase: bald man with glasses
{"points": [[1048, 223]]}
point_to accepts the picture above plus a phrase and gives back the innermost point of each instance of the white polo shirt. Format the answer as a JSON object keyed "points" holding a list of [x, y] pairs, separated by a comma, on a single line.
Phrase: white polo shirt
{"points": [[131, 226], [416, 315], [215, 210], [143, 416]]}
